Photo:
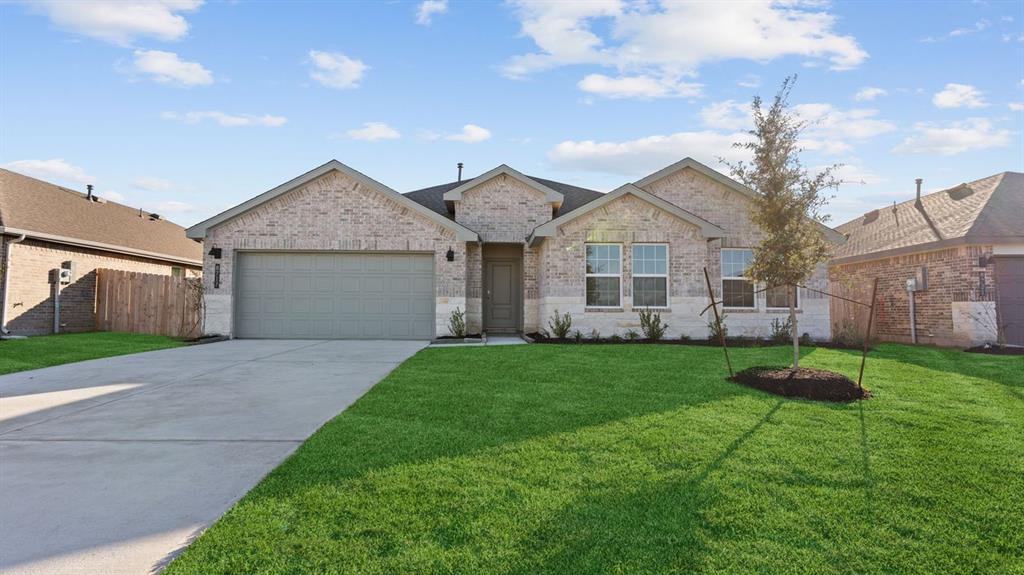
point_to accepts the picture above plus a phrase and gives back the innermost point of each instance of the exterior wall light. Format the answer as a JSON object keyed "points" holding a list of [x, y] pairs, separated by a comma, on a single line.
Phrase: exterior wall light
{"points": [[450, 255], [215, 252]]}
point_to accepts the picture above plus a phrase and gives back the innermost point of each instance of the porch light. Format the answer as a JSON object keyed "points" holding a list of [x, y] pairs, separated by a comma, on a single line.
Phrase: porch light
{"points": [[450, 255], [215, 252]]}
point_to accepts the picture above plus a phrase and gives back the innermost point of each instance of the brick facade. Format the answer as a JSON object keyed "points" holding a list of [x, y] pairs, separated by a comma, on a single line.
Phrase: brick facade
{"points": [[30, 304], [502, 210], [956, 309], [333, 213]]}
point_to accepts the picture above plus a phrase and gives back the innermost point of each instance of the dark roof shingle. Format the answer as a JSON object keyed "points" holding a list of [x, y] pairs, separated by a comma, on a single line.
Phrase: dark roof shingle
{"points": [[573, 196], [36, 206]]}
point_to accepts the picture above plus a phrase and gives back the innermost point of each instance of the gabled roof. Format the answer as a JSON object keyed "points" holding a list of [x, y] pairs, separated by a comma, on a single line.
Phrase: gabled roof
{"points": [[50, 212], [989, 210], [572, 196], [723, 179], [708, 229], [550, 195], [199, 230]]}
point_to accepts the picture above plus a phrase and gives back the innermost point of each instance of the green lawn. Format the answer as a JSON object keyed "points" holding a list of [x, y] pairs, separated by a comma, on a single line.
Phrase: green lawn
{"points": [[47, 350], [643, 459]]}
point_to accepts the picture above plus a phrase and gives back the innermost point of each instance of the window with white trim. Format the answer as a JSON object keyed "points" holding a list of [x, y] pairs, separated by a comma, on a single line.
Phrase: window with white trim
{"points": [[650, 275], [737, 291], [604, 275], [776, 297]]}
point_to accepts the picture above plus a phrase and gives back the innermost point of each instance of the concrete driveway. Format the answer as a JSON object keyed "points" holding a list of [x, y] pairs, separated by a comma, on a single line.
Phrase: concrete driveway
{"points": [[113, 465]]}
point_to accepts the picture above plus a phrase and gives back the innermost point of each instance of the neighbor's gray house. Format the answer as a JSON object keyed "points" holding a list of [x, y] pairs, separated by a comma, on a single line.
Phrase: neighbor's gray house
{"points": [[336, 254], [962, 249]]}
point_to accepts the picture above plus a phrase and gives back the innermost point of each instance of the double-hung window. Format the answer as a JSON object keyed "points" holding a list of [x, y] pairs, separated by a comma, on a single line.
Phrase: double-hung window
{"points": [[650, 275], [604, 275], [737, 291], [775, 298]]}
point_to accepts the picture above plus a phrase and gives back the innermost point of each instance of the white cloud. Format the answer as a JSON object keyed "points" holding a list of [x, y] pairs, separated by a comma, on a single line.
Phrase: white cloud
{"points": [[112, 196], [1016, 106], [172, 207], [750, 81], [827, 127], [152, 184], [978, 26], [868, 93], [122, 21], [428, 8], [854, 173], [959, 96], [470, 134], [336, 70], [168, 68], [226, 120], [675, 39], [372, 131], [953, 138], [645, 155], [643, 87], [54, 170]]}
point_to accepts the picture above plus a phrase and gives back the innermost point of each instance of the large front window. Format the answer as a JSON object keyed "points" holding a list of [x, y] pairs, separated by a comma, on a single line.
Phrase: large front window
{"points": [[650, 275], [737, 291], [604, 275]]}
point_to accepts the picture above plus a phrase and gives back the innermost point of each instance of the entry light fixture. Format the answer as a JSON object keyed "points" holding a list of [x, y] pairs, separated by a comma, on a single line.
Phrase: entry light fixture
{"points": [[450, 255], [215, 252]]}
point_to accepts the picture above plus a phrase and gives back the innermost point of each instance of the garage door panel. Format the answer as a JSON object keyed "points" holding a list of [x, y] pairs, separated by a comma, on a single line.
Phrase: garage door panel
{"points": [[335, 295]]}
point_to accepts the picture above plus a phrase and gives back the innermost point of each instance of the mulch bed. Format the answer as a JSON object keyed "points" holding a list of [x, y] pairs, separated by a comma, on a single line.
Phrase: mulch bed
{"points": [[996, 350], [729, 342], [815, 384]]}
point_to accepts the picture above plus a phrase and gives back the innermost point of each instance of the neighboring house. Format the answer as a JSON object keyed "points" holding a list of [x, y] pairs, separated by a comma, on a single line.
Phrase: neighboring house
{"points": [[44, 227], [964, 250], [335, 254]]}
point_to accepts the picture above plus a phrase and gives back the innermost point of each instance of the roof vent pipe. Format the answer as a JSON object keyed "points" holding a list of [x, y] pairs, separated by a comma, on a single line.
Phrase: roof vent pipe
{"points": [[918, 182], [88, 192], [460, 171]]}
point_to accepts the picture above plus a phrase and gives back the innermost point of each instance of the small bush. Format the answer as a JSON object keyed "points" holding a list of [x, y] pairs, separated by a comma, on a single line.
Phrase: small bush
{"points": [[847, 334], [457, 323], [560, 324], [684, 337], [651, 325], [632, 335], [713, 328], [595, 335], [805, 339], [615, 338], [576, 335], [782, 331]]}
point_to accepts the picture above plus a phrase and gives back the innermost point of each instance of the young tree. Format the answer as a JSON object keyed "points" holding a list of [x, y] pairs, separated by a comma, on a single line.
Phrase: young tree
{"points": [[788, 203]]}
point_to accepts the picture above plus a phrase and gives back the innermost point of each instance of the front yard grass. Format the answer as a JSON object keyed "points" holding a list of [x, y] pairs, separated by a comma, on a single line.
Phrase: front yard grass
{"points": [[49, 350], [643, 459]]}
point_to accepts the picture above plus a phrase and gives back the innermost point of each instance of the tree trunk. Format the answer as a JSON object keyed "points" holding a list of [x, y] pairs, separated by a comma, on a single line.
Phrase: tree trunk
{"points": [[791, 293]]}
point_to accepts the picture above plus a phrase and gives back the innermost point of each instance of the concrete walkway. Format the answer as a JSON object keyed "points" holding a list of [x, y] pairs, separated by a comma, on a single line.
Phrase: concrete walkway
{"points": [[112, 465]]}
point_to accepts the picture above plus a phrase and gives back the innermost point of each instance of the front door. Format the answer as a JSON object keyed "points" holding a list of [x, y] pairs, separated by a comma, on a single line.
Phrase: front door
{"points": [[501, 296], [1010, 298]]}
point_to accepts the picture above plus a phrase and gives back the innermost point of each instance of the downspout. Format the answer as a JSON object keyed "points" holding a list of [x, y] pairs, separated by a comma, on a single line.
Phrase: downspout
{"points": [[7, 282]]}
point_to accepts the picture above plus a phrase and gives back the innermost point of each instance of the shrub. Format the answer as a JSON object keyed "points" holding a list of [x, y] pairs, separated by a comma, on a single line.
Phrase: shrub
{"points": [[805, 339], [713, 328], [781, 331], [576, 335], [615, 338], [684, 337], [560, 324], [651, 325], [457, 323], [632, 335], [595, 335], [847, 334]]}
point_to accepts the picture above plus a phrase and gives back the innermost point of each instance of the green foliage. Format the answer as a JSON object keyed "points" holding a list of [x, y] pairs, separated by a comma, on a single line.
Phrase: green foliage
{"points": [[560, 324], [48, 350], [782, 331], [559, 459], [457, 323], [615, 338], [632, 335], [595, 335], [576, 335], [651, 325], [713, 332], [845, 333]]}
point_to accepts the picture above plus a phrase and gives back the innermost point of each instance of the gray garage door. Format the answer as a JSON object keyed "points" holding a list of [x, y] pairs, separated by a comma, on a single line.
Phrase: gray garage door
{"points": [[333, 295]]}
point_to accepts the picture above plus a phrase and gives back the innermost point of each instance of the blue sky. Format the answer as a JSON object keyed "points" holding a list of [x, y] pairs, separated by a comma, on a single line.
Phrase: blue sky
{"points": [[187, 108]]}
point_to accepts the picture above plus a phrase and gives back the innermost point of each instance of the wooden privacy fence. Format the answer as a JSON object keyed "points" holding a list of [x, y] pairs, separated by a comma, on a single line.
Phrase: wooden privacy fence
{"points": [[148, 303]]}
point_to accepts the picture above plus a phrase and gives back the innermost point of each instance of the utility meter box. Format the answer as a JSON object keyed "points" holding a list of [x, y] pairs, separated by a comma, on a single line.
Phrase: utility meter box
{"points": [[64, 275], [912, 284]]}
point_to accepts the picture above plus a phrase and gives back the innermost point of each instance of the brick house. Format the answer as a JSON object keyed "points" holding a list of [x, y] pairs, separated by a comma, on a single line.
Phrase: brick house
{"points": [[963, 251], [336, 254], [44, 227]]}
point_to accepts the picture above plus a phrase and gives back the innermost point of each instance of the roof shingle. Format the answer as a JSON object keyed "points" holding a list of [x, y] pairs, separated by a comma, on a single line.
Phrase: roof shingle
{"points": [[573, 196], [36, 206]]}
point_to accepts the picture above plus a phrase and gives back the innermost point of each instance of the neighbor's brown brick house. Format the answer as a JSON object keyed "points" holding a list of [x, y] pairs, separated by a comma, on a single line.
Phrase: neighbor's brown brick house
{"points": [[964, 250], [336, 254], [44, 227]]}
